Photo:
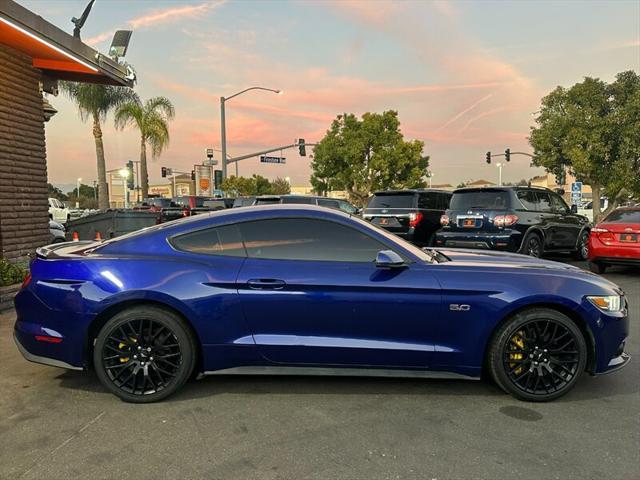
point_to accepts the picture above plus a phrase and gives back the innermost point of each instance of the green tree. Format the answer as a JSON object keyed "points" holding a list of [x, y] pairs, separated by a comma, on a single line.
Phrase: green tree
{"points": [[152, 121], [593, 130], [256, 185], [55, 192], [361, 156], [87, 197], [461, 185], [94, 102], [280, 186]]}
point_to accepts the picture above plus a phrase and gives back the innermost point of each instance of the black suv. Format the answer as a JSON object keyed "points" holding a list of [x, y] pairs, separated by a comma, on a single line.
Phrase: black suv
{"points": [[411, 214], [526, 220]]}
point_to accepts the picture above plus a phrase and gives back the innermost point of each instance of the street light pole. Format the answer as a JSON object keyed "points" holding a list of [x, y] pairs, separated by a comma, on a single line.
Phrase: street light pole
{"points": [[78, 193], [499, 165], [223, 128], [223, 138]]}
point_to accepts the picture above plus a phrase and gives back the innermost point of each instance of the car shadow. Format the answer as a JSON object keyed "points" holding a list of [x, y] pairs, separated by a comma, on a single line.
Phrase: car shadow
{"points": [[588, 388]]}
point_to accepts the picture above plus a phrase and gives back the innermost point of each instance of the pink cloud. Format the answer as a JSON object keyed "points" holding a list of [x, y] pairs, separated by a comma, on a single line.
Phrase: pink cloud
{"points": [[160, 16]]}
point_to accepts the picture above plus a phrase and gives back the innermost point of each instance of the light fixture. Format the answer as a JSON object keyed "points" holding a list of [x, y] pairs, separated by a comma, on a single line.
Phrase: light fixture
{"points": [[119, 44]]}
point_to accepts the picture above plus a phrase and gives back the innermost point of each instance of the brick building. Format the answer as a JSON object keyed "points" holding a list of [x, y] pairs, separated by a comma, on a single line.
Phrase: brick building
{"points": [[34, 55]]}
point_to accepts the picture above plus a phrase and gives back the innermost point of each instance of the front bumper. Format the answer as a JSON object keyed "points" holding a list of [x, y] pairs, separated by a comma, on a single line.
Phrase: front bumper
{"points": [[617, 363], [507, 240]]}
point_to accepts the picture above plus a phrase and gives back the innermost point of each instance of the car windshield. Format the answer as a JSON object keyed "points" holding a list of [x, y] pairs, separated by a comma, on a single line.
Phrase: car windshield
{"points": [[392, 200], [623, 216], [267, 201], [480, 199]]}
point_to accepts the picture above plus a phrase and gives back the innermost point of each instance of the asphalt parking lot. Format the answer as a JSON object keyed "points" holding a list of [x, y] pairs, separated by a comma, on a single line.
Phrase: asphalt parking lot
{"points": [[62, 424]]}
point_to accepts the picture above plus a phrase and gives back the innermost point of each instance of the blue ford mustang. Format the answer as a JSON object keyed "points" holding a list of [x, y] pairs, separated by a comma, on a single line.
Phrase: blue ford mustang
{"points": [[306, 290]]}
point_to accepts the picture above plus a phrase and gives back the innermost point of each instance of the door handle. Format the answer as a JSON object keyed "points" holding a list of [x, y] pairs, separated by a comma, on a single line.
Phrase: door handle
{"points": [[266, 284]]}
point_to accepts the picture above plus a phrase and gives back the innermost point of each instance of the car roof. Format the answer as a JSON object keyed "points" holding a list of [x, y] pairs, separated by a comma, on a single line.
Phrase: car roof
{"points": [[410, 190], [502, 188]]}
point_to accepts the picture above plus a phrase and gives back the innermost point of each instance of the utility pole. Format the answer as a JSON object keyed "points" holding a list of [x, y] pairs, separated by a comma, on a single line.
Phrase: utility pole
{"points": [[499, 165], [223, 139]]}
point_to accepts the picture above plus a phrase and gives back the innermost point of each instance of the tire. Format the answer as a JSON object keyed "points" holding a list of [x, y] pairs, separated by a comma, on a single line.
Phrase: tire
{"points": [[546, 370], [147, 345], [597, 267], [532, 245], [582, 250]]}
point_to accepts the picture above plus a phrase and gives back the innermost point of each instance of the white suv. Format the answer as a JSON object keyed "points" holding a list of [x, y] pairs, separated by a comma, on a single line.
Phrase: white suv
{"points": [[57, 211]]}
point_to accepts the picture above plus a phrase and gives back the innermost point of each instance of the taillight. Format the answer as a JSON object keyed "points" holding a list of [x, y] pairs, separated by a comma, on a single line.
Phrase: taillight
{"points": [[185, 212], [604, 235], [444, 220], [415, 219], [26, 281], [505, 220]]}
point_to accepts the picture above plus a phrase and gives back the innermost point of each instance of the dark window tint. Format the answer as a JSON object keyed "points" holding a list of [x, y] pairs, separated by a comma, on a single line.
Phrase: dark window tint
{"points": [[326, 202], [267, 201], [304, 239], [529, 199], [480, 199], [392, 200], [299, 200], [623, 216], [212, 241], [558, 205], [544, 202], [428, 200], [445, 199]]}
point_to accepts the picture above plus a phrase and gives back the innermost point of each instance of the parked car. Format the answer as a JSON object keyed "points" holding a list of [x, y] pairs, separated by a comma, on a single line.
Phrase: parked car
{"points": [[58, 211], [166, 209], [587, 209], [302, 289], [412, 214], [193, 205], [243, 202], [57, 232], [529, 220], [327, 202], [615, 240]]}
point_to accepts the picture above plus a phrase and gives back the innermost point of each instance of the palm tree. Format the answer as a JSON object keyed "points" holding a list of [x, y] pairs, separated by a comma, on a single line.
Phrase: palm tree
{"points": [[151, 119], [95, 101]]}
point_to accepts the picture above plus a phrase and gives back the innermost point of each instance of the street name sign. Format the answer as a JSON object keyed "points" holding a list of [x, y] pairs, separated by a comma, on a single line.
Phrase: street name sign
{"points": [[267, 159]]}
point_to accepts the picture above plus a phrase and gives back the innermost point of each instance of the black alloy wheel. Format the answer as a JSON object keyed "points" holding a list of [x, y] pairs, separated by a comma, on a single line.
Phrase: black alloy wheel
{"points": [[532, 246], [582, 251], [144, 354], [538, 355]]}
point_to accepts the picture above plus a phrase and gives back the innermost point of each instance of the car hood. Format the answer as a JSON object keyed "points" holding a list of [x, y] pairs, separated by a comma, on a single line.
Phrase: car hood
{"points": [[493, 259]]}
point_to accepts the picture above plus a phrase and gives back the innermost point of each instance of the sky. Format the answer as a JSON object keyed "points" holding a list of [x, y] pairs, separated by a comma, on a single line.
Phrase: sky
{"points": [[465, 76]]}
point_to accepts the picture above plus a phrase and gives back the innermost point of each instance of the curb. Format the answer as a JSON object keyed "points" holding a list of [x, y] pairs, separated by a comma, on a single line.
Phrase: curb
{"points": [[6, 296]]}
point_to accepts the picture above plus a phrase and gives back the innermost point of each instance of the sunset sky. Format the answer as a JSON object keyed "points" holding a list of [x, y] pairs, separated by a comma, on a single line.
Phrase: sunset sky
{"points": [[465, 77]]}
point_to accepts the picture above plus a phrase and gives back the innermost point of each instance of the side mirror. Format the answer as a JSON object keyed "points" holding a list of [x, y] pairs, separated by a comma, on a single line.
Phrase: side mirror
{"points": [[574, 208], [389, 259]]}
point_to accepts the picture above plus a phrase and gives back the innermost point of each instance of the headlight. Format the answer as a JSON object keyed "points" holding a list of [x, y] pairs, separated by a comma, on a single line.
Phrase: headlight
{"points": [[609, 303]]}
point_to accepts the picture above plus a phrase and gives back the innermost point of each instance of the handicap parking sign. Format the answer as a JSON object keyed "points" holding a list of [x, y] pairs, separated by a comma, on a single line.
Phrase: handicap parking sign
{"points": [[576, 187]]}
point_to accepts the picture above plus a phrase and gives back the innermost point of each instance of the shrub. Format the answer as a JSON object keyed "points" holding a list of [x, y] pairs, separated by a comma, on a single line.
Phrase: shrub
{"points": [[11, 273]]}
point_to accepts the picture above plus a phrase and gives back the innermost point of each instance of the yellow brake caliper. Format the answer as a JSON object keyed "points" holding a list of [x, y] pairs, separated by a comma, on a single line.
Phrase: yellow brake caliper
{"points": [[121, 345], [517, 341]]}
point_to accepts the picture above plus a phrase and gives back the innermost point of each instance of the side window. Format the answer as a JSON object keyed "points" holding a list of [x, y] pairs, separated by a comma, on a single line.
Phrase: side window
{"points": [[299, 200], [444, 201], [528, 199], [544, 200], [323, 202], [347, 207], [428, 200], [558, 204], [212, 241], [305, 239]]}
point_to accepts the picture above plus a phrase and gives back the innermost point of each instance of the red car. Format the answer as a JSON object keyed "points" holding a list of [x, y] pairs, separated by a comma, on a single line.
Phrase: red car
{"points": [[615, 240]]}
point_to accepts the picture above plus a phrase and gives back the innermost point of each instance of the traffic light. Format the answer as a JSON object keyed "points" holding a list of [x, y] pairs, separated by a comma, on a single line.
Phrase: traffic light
{"points": [[164, 172], [507, 154], [217, 179], [130, 183], [301, 147], [488, 157]]}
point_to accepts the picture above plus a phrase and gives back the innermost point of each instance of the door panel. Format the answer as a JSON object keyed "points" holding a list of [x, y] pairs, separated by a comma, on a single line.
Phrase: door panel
{"points": [[339, 313]]}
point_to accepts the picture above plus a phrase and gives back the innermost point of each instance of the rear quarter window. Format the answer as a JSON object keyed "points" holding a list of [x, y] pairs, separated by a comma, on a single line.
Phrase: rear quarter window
{"points": [[225, 241]]}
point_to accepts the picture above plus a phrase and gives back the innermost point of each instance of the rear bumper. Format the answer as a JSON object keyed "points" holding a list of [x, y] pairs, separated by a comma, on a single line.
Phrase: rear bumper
{"points": [[507, 240], [52, 362], [613, 254]]}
